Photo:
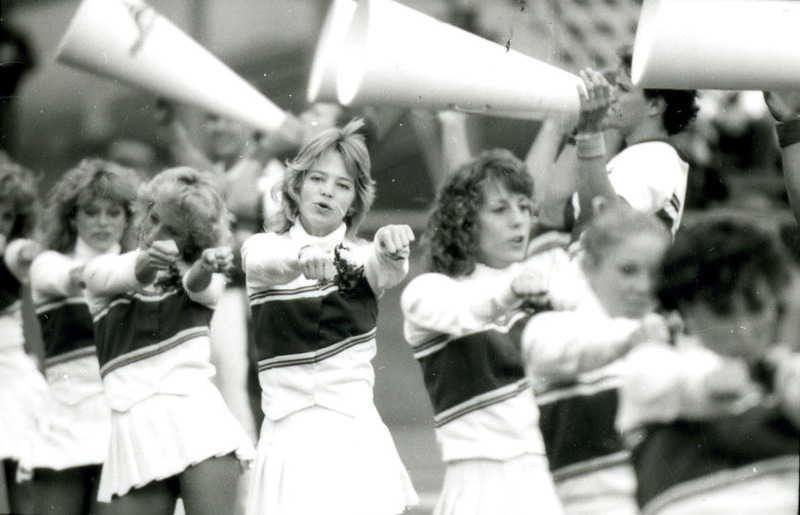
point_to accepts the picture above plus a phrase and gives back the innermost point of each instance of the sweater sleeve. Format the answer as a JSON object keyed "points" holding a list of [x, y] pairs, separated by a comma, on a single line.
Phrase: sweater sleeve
{"points": [[663, 384], [381, 271], [50, 276], [558, 346], [211, 294], [269, 260], [437, 303], [108, 276]]}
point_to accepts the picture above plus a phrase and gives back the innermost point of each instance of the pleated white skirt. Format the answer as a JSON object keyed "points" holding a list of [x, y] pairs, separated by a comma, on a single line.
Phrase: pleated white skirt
{"points": [[23, 389], [71, 435], [322, 461], [519, 486], [163, 435]]}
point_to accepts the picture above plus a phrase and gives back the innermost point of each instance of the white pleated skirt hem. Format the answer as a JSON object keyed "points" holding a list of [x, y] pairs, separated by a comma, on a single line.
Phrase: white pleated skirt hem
{"points": [[23, 389], [322, 461], [68, 436], [519, 486], [164, 435]]}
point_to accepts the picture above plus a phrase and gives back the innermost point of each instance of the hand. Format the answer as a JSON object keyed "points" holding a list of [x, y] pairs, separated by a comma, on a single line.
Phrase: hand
{"points": [[76, 277], [217, 260], [783, 106], [28, 251], [529, 284], [316, 264], [161, 254], [595, 96], [653, 328], [394, 241], [728, 384]]}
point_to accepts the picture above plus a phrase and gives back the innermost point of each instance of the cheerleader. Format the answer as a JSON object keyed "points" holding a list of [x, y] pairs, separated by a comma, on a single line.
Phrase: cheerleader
{"points": [[463, 320], [22, 387], [576, 358], [171, 433], [714, 420], [89, 214], [314, 290]]}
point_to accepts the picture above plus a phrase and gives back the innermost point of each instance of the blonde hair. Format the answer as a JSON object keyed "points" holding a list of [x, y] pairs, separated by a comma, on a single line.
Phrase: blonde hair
{"points": [[351, 146], [203, 214]]}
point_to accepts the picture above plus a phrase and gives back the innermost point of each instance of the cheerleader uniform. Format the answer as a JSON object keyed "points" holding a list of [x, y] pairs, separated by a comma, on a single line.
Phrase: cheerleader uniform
{"points": [[689, 458], [73, 428], [576, 360], [323, 447], [22, 386], [465, 333], [153, 348]]}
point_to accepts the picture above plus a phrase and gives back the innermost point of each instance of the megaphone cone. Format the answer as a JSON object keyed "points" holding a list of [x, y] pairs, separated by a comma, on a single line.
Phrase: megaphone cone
{"points": [[711, 44], [128, 41], [322, 82], [396, 55]]}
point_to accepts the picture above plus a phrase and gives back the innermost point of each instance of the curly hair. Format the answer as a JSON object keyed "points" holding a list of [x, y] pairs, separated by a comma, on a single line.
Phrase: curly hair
{"points": [[350, 144], [612, 226], [711, 261], [680, 104], [452, 235], [203, 215], [91, 180], [18, 188]]}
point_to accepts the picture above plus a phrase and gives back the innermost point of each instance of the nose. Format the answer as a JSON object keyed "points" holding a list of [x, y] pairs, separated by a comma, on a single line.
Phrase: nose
{"points": [[517, 216], [642, 284], [326, 188]]}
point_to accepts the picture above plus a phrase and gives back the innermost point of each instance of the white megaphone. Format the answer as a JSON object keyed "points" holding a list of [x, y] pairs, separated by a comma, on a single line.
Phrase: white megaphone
{"points": [[718, 44], [396, 55], [322, 81], [127, 40]]}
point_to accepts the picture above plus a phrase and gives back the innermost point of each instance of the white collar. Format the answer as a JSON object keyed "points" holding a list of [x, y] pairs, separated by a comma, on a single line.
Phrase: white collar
{"points": [[298, 232]]}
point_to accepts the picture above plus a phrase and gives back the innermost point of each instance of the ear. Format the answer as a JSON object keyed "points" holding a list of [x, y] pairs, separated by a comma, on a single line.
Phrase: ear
{"points": [[350, 212], [656, 106]]}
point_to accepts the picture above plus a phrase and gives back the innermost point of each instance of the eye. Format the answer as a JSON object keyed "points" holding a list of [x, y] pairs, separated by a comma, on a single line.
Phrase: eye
{"points": [[347, 186], [115, 212]]}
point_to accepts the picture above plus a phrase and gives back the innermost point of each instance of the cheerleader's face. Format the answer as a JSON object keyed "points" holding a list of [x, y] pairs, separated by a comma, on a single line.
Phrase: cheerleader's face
{"points": [[327, 193], [7, 218], [100, 223], [747, 331], [504, 226], [163, 222], [623, 278]]}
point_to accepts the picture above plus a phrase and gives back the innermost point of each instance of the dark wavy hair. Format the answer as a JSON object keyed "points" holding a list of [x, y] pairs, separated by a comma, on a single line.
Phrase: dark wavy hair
{"points": [[92, 179], [711, 261], [203, 214], [18, 188], [349, 143], [451, 238], [680, 104]]}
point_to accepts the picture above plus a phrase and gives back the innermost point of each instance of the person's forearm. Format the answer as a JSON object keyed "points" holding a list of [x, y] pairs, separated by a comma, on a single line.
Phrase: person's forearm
{"points": [[593, 179], [791, 176]]}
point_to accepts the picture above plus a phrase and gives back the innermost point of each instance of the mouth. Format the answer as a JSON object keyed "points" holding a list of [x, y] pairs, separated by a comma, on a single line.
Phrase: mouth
{"points": [[517, 240], [323, 205]]}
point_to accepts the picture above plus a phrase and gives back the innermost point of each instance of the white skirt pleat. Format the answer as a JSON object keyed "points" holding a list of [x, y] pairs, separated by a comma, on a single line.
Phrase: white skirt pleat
{"points": [[163, 435], [23, 389], [520, 486], [321, 461], [68, 435]]}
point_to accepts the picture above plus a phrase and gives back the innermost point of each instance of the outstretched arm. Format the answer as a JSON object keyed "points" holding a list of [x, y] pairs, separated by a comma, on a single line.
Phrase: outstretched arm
{"points": [[785, 108]]}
